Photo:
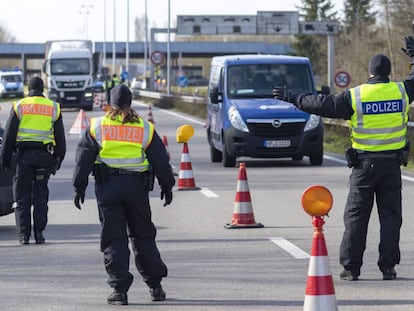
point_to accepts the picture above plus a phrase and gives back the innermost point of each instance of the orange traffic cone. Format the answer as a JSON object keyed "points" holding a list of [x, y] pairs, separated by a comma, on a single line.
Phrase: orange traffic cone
{"points": [[80, 124], [243, 216], [150, 117], [320, 292], [185, 177]]}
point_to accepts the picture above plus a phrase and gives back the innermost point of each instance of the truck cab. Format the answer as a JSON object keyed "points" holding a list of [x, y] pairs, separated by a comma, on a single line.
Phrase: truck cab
{"points": [[11, 83], [70, 68], [245, 120]]}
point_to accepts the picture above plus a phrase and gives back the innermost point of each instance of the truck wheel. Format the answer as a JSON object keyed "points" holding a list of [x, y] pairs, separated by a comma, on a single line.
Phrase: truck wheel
{"points": [[228, 160], [215, 155], [89, 108]]}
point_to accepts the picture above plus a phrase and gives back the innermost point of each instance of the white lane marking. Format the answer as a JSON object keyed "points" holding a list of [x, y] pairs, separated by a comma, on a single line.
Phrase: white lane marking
{"points": [[208, 193], [334, 159], [404, 177], [289, 247]]}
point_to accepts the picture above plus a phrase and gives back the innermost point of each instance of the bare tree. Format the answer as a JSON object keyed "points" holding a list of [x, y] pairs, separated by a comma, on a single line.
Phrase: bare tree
{"points": [[5, 35], [139, 28]]}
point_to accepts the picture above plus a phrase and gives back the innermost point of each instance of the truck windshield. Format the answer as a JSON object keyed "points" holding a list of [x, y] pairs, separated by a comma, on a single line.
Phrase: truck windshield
{"points": [[70, 67], [11, 78], [258, 80]]}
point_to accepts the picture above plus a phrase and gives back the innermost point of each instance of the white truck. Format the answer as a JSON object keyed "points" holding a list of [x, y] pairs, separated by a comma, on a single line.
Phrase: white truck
{"points": [[70, 67]]}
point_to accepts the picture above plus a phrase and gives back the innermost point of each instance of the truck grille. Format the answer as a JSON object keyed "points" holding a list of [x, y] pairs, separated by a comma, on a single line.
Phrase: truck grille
{"points": [[70, 84], [269, 131]]}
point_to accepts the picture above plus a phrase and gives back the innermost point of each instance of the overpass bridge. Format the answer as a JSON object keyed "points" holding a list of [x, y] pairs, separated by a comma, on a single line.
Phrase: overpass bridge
{"points": [[178, 49]]}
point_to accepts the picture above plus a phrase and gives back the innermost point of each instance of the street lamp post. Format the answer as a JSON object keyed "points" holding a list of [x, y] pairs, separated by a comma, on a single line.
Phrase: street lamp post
{"points": [[146, 45], [169, 49], [85, 10], [113, 41]]}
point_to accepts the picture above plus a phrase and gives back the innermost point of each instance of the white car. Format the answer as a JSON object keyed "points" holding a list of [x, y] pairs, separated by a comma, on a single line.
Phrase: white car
{"points": [[137, 84]]}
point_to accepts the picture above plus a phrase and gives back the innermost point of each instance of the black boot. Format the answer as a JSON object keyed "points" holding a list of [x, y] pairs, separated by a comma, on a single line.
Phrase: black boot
{"points": [[40, 239], [23, 239], [118, 298], [157, 294]]}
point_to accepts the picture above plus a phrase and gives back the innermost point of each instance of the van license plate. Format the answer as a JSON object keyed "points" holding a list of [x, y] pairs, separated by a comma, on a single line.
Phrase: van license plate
{"points": [[277, 143]]}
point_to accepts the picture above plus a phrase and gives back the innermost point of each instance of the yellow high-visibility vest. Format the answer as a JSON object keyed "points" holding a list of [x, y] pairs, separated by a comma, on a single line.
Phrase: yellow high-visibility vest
{"points": [[122, 145], [380, 118], [37, 115]]}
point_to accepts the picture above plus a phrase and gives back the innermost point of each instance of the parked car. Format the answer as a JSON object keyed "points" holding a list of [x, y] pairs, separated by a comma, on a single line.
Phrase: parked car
{"points": [[6, 185], [197, 81], [137, 84]]}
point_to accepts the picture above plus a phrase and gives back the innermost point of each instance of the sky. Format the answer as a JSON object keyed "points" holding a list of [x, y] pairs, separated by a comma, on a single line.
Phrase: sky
{"points": [[37, 21]]}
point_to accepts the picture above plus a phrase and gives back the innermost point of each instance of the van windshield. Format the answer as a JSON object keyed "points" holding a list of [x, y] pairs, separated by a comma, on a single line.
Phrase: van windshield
{"points": [[11, 78], [258, 80]]}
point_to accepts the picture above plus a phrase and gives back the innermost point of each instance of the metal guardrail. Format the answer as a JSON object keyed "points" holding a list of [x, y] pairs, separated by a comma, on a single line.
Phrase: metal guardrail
{"points": [[159, 95]]}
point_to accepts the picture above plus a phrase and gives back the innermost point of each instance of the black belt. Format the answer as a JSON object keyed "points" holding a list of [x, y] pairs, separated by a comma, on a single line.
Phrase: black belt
{"points": [[120, 171], [35, 146], [377, 155]]}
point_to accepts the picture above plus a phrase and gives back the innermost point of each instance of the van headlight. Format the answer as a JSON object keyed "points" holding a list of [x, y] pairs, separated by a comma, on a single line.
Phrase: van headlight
{"points": [[312, 122], [236, 120]]}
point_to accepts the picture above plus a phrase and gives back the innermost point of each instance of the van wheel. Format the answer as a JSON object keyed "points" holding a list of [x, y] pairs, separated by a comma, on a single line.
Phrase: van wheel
{"points": [[316, 159], [215, 155], [228, 160]]}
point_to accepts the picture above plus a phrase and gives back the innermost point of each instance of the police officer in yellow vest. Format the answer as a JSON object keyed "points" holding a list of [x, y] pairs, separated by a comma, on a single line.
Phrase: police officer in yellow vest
{"points": [[121, 149], [35, 129], [378, 114], [109, 85]]}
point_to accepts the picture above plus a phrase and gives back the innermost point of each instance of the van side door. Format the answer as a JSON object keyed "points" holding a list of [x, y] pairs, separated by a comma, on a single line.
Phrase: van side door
{"points": [[215, 104]]}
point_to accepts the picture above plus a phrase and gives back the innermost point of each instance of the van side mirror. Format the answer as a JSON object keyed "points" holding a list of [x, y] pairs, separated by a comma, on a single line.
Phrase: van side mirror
{"points": [[325, 90], [214, 95]]}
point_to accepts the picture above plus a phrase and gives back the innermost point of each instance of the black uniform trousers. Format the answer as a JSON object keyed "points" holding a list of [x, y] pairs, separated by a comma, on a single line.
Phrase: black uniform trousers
{"points": [[30, 187], [124, 211], [380, 178]]}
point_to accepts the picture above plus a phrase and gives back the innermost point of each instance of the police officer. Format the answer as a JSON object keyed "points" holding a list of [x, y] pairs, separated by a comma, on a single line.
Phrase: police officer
{"points": [[35, 129], [120, 148], [109, 85], [378, 114]]}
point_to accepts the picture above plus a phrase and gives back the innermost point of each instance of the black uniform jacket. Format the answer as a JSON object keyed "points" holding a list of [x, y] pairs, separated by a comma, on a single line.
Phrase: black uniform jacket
{"points": [[10, 134], [88, 149], [340, 106]]}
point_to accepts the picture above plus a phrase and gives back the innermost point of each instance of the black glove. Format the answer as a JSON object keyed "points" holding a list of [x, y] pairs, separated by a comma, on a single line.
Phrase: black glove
{"points": [[79, 196], [167, 194], [55, 165], [283, 93], [409, 46]]}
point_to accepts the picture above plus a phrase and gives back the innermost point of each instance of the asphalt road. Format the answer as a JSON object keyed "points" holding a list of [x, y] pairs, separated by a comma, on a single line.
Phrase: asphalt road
{"points": [[210, 267]]}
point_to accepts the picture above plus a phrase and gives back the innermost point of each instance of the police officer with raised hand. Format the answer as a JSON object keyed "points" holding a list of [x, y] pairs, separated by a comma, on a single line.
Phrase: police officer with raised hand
{"points": [[122, 150], [378, 114], [35, 129]]}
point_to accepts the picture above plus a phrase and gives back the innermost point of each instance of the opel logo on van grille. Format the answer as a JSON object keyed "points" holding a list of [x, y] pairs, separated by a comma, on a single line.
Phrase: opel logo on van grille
{"points": [[276, 123]]}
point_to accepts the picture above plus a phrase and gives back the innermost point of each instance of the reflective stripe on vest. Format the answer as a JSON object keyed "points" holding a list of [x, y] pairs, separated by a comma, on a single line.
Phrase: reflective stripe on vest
{"points": [[122, 145], [381, 115], [37, 115]]}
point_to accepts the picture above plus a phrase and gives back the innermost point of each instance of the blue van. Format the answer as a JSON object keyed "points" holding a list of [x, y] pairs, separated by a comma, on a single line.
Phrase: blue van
{"points": [[245, 120]]}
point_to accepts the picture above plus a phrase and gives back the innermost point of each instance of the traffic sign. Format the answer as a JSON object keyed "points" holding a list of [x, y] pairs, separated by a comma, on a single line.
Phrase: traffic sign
{"points": [[157, 57], [342, 79]]}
